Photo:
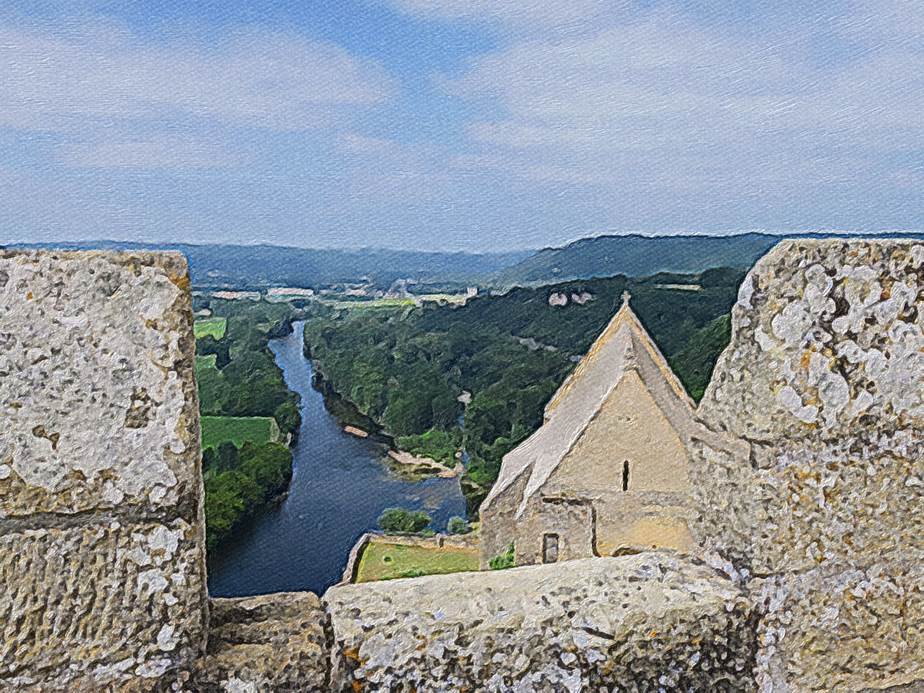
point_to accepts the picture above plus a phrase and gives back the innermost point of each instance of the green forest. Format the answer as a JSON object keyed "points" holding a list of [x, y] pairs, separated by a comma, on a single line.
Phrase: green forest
{"points": [[248, 412], [405, 368]]}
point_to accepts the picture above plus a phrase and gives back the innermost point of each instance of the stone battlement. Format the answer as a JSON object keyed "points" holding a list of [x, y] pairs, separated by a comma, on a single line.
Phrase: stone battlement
{"points": [[808, 475]]}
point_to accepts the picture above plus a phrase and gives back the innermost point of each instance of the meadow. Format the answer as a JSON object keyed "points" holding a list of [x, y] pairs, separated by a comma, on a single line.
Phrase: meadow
{"points": [[213, 327], [238, 430], [385, 561]]}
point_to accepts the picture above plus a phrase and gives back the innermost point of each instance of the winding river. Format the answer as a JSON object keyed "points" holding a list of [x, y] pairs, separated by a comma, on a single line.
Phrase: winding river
{"points": [[340, 485]]}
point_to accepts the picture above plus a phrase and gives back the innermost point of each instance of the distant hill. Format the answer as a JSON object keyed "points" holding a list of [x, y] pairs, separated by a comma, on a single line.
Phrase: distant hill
{"points": [[639, 256], [256, 266]]}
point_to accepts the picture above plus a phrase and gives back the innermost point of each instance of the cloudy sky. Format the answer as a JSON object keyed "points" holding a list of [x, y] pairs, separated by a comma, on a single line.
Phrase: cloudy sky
{"points": [[457, 124]]}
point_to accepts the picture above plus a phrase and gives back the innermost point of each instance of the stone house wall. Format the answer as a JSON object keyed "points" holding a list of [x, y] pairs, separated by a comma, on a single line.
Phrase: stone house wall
{"points": [[499, 524], [630, 427], [569, 522]]}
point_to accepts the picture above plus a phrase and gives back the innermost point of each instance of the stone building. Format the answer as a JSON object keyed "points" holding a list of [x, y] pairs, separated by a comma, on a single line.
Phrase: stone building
{"points": [[608, 470]]}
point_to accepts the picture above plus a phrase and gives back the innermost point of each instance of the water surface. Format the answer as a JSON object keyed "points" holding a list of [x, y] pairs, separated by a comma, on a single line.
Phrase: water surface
{"points": [[340, 486]]}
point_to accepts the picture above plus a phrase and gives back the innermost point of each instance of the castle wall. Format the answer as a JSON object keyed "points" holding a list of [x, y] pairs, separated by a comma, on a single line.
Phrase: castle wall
{"points": [[101, 532], [807, 477], [810, 477]]}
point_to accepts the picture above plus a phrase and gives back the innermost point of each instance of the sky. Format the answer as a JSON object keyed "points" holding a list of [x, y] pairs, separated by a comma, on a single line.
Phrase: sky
{"points": [[457, 124]]}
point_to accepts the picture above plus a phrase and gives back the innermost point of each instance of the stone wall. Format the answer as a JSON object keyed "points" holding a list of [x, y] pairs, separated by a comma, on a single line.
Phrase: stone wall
{"points": [[810, 477], [647, 622], [101, 532]]}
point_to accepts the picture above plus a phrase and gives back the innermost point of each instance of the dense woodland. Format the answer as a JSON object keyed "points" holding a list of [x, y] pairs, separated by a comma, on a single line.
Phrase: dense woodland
{"points": [[406, 367], [244, 380]]}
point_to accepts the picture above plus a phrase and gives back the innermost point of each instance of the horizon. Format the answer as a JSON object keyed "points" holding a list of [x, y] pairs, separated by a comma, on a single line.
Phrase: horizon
{"points": [[456, 125], [836, 233]]}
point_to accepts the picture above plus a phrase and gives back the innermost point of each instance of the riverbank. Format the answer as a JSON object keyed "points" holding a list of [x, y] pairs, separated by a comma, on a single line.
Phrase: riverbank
{"points": [[399, 460], [338, 490]]}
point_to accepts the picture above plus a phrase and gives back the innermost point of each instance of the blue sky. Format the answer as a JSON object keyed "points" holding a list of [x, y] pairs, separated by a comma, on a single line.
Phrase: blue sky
{"points": [[457, 124]]}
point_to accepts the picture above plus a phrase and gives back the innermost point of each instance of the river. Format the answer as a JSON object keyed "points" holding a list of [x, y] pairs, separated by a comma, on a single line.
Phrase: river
{"points": [[340, 485]]}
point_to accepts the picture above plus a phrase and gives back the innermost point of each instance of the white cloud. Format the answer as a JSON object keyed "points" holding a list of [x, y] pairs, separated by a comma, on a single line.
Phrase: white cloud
{"points": [[57, 80], [542, 13], [154, 152], [665, 99]]}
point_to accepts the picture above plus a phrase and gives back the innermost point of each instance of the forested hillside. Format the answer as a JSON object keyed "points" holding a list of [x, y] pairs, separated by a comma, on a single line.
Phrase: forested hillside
{"points": [[406, 368], [244, 401], [604, 256], [259, 266]]}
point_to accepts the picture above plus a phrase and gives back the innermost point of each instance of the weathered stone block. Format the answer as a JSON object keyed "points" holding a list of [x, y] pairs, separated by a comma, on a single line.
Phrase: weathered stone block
{"points": [[276, 642], [809, 472], [789, 507], [828, 340], [816, 411], [97, 391], [645, 622], [104, 602], [842, 628], [102, 564]]}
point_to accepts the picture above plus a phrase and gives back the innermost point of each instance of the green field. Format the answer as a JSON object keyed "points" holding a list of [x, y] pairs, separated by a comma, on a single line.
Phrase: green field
{"points": [[383, 561], [238, 429], [210, 326], [372, 303], [203, 362]]}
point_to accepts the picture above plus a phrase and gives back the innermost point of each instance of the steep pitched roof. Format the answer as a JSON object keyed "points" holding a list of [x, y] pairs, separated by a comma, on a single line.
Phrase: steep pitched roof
{"points": [[622, 347]]}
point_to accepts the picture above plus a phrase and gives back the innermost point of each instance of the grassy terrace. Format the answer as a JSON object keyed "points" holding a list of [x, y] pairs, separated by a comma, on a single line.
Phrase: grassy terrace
{"points": [[214, 327], [238, 429], [382, 561]]}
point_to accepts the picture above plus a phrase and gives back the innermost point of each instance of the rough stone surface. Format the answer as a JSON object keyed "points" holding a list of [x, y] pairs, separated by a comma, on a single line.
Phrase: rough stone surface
{"points": [[645, 622], [809, 473], [842, 627], [96, 386], [101, 530], [836, 331], [276, 642]]}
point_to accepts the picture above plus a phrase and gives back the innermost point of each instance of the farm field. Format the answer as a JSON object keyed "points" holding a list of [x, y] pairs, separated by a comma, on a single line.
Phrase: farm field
{"points": [[384, 561], [214, 327], [238, 429], [209, 361]]}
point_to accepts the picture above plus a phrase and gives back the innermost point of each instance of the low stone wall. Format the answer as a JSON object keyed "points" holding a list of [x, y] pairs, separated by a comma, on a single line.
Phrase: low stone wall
{"points": [[649, 622], [275, 642]]}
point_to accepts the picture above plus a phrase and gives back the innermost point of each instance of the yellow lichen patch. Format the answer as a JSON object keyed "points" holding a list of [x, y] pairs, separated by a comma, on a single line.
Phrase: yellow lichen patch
{"points": [[806, 359], [180, 280]]}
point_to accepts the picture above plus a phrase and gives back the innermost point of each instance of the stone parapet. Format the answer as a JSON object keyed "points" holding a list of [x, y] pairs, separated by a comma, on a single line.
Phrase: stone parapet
{"points": [[275, 642], [809, 472], [651, 621], [101, 530]]}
